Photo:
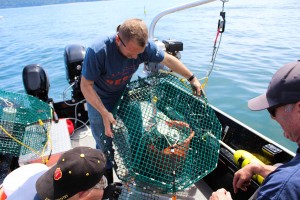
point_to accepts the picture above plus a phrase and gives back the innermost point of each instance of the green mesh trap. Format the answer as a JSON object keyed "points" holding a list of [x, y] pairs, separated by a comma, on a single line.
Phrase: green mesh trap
{"points": [[165, 139], [24, 123]]}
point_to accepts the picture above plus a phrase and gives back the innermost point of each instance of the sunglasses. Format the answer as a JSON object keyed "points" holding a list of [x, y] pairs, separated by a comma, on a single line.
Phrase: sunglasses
{"points": [[272, 110], [121, 41]]}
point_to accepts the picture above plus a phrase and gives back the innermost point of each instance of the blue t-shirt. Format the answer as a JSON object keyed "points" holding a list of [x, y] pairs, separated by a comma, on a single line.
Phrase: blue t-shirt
{"points": [[110, 70], [283, 183]]}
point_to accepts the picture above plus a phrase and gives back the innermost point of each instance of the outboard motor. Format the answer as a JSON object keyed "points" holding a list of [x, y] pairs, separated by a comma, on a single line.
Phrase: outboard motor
{"points": [[169, 46], [74, 55], [173, 47], [36, 82]]}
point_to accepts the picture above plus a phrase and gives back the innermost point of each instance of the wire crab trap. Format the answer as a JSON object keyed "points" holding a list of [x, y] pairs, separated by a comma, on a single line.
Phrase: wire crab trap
{"points": [[165, 139], [24, 124]]}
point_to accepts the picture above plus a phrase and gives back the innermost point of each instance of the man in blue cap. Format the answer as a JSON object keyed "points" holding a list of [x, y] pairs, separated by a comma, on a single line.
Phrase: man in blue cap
{"points": [[282, 100]]}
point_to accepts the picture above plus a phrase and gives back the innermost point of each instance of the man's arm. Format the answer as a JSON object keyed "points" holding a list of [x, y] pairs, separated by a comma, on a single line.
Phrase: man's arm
{"points": [[91, 96], [243, 176], [242, 179], [175, 65]]}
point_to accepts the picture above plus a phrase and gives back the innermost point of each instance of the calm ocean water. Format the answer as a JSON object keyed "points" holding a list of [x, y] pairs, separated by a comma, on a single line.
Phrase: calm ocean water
{"points": [[260, 36]]}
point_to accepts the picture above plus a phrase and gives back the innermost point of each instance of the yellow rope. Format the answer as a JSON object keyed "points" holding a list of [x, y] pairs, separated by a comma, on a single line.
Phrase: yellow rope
{"points": [[48, 139], [33, 150]]}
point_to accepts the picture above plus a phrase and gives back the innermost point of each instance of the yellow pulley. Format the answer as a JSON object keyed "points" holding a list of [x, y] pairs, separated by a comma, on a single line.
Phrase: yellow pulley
{"points": [[242, 158]]}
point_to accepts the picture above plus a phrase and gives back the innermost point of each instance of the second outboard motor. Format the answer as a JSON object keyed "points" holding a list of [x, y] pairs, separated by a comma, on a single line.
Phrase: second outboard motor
{"points": [[36, 82], [173, 47], [169, 46], [73, 56]]}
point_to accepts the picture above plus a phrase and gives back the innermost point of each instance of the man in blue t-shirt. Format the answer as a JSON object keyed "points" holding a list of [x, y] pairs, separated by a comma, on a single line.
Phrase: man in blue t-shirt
{"points": [[282, 100], [109, 65]]}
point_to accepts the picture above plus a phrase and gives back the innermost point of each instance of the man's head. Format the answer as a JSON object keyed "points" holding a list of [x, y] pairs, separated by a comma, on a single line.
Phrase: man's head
{"points": [[283, 89], [77, 170], [132, 37], [282, 100]]}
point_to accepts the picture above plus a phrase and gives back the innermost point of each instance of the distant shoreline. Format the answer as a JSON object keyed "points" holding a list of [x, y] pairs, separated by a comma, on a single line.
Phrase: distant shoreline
{"points": [[29, 3]]}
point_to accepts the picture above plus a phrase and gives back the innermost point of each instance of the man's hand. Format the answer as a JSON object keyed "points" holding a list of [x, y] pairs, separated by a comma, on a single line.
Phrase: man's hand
{"points": [[112, 191], [108, 119], [220, 194], [196, 86], [243, 177]]}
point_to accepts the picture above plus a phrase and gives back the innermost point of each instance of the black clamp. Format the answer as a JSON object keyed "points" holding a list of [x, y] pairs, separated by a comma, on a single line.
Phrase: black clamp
{"points": [[221, 23]]}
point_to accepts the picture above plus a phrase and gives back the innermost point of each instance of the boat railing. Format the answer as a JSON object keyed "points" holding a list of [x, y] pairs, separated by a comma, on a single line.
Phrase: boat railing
{"points": [[172, 10]]}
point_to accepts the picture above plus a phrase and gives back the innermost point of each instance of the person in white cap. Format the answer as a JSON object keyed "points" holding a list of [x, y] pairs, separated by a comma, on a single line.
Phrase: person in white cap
{"points": [[282, 100]]}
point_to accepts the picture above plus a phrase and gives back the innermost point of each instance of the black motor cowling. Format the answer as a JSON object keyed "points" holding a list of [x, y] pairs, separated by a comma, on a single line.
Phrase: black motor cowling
{"points": [[36, 82], [74, 56], [173, 47]]}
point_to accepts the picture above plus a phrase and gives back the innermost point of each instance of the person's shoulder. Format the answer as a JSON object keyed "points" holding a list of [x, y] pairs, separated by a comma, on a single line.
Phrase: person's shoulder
{"points": [[102, 41], [151, 46], [284, 175], [151, 43], [155, 50]]}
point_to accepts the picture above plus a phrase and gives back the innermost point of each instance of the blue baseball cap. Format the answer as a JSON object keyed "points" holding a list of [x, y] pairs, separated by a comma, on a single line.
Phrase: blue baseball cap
{"points": [[283, 89]]}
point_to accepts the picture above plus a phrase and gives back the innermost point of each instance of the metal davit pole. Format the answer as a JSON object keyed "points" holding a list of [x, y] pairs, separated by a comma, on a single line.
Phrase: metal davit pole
{"points": [[172, 10]]}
